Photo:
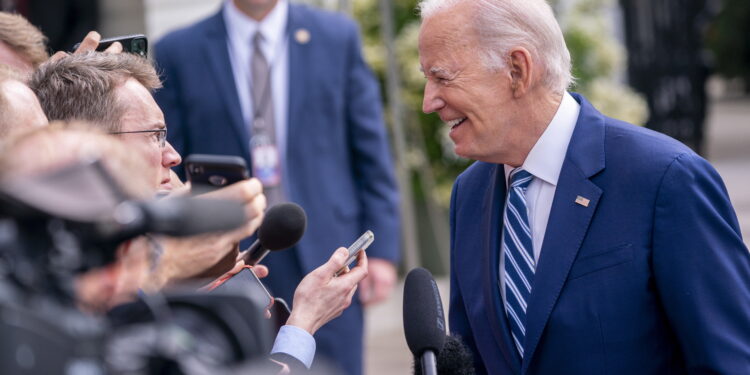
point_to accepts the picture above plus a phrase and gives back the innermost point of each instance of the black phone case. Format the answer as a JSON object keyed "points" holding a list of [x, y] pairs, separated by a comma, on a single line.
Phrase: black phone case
{"points": [[209, 172], [246, 279], [136, 44]]}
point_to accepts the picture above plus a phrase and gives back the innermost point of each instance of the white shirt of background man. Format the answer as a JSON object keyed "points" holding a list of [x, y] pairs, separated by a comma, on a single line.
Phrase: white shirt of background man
{"points": [[240, 30]]}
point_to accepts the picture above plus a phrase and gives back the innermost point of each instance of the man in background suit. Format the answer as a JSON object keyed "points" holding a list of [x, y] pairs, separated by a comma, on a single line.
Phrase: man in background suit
{"points": [[303, 74], [579, 244]]}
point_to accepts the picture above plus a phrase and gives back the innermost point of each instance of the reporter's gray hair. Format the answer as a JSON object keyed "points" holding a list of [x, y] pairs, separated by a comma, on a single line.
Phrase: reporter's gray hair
{"points": [[504, 24], [83, 86]]}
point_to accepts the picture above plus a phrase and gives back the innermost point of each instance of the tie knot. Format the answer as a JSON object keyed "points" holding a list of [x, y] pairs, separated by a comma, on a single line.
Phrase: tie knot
{"points": [[257, 39], [520, 178]]}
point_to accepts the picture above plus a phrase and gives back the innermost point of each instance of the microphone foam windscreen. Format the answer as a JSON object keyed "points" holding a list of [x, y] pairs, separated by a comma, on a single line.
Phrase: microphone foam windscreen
{"points": [[424, 322], [283, 226], [454, 359]]}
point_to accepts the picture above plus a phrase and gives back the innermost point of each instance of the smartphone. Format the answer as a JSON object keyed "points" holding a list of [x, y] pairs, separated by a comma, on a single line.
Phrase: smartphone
{"points": [[361, 244], [136, 44], [210, 172], [245, 279]]}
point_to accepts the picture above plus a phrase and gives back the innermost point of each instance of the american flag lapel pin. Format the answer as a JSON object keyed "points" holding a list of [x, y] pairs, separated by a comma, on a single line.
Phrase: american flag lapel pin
{"points": [[582, 201]]}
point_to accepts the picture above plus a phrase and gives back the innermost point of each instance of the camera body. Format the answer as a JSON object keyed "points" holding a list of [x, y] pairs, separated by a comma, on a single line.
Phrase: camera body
{"points": [[44, 248]]}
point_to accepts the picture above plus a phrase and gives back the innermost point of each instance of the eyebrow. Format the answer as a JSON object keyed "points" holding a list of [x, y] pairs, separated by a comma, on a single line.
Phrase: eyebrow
{"points": [[436, 70]]}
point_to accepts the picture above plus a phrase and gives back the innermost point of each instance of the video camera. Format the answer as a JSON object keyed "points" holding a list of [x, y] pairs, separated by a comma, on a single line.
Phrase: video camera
{"points": [[55, 227]]}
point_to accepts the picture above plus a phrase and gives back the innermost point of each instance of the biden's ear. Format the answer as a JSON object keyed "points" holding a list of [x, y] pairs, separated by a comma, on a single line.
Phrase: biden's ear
{"points": [[521, 68]]}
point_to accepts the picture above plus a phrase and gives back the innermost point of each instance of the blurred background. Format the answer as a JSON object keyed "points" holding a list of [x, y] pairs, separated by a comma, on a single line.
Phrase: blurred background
{"points": [[681, 67]]}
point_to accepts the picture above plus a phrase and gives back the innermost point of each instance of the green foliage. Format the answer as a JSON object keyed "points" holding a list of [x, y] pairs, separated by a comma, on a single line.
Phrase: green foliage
{"points": [[729, 39], [437, 151], [597, 59]]}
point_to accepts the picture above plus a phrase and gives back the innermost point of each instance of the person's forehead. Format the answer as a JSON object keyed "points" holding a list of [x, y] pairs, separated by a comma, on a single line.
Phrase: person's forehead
{"points": [[444, 59], [14, 87], [18, 93], [9, 56], [140, 111], [442, 35]]}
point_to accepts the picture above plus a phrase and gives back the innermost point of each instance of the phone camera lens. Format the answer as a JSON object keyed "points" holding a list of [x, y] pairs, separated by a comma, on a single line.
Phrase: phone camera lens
{"points": [[138, 46], [217, 180]]}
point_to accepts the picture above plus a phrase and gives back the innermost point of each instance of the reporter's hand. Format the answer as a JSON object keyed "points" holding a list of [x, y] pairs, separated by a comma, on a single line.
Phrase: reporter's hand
{"points": [[321, 296], [89, 43], [378, 285], [211, 255], [260, 270], [250, 194], [178, 187]]}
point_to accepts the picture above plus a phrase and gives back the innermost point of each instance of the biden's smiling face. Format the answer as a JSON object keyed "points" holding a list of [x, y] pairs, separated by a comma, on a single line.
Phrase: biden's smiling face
{"points": [[474, 101]]}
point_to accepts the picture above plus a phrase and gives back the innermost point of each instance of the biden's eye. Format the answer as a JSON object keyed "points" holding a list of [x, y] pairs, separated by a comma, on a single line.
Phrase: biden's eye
{"points": [[442, 80]]}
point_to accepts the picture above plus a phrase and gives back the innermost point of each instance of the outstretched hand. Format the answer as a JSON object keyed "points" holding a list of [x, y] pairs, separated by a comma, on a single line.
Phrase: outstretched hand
{"points": [[379, 284], [321, 296], [213, 254], [89, 43]]}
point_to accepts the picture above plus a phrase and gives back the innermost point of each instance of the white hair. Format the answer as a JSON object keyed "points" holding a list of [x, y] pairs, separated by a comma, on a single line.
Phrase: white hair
{"points": [[504, 24]]}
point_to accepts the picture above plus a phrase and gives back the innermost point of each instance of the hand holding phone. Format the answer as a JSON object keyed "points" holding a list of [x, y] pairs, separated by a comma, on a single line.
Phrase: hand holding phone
{"points": [[210, 172], [136, 44], [361, 244]]}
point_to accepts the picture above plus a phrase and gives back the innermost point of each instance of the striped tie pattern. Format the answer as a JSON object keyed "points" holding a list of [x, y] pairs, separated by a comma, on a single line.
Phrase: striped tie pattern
{"points": [[518, 255]]}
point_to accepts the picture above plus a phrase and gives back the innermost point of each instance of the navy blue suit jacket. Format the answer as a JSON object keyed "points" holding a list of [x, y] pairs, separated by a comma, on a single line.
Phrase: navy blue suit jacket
{"points": [[651, 278], [338, 159]]}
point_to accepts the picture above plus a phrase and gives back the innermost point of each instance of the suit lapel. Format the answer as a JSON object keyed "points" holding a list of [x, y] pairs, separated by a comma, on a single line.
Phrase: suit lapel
{"points": [[568, 222], [216, 51], [494, 199], [299, 72]]}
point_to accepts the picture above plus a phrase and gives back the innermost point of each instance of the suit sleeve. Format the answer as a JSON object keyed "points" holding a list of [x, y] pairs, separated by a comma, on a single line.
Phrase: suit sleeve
{"points": [[168, 98], [458, 320], [702, 268], [372, 165]]}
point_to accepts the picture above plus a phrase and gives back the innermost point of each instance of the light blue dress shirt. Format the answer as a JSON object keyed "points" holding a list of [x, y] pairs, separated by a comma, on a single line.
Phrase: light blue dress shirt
{"points": [[295, 342]]}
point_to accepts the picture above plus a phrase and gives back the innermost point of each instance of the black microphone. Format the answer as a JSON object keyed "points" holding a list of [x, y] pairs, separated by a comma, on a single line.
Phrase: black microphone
{"points": [[282, 227], [454, 359], [424, 321], [175, 217]]}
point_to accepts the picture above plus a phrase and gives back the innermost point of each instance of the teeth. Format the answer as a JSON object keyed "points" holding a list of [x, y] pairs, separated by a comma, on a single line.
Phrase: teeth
{"points": [[455, 122]]}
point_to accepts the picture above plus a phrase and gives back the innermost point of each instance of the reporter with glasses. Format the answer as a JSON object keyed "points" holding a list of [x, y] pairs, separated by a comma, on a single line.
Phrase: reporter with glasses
{"points": [[113, 92]]}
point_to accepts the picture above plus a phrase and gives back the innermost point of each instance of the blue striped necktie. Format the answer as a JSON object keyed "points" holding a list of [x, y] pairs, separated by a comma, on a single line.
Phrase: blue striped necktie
{"points": [[518, 252]]}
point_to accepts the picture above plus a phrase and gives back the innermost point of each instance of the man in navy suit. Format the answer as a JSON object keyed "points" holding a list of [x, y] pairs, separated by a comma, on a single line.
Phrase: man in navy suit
{"points": [[326, 149], [580, 244]]}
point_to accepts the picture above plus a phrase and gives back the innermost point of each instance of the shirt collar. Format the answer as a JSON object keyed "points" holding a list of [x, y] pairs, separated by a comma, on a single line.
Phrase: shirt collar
{"points": [[240, 27], [546, 157]]}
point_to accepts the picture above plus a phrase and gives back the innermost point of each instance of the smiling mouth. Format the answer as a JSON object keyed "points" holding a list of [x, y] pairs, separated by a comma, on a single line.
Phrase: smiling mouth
{"points": [[454, 123]]}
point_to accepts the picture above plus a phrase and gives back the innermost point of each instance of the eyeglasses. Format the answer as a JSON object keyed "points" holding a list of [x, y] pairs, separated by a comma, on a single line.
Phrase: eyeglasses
{"points": [[161, 135]]}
